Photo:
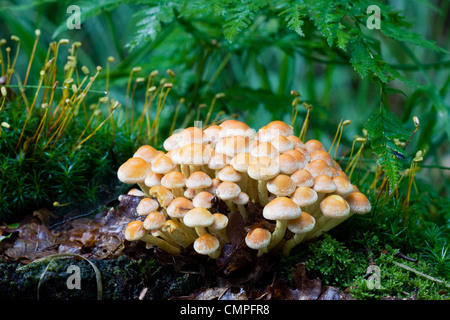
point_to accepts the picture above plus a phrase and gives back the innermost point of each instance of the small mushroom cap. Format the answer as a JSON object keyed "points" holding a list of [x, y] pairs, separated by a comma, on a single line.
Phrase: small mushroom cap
{"points": [[281, 185], [302, 157], [288, 164], [281, 208], [235, 128], [136, 192], [343, 186], [318, 167], [228, 173], [303, 178], [162, 194], [265, 149], [178, 207], [194, 153], [134, 170], [190, 135], [241, 161], [232, 145], [135, 231], [198, 180], [313, 145], [163, 165], [302, 224], [273, 129], [146, 206], [218, 161], [282, 143], [322, 155], [258, 238], [147, 153], [304, 196], [296, 141], [220, 222], [335, 207], [153, 179], [358, 203], [241, 199], [228, 190], [324, 184], [154, 220], [211, 134], [198, 217], [174, 179], [171, 143], [206, 244], [263, 170], [203, 199]]}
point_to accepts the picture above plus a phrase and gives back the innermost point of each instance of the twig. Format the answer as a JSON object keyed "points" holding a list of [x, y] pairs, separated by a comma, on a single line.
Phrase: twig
{"points": [[421, 274]]}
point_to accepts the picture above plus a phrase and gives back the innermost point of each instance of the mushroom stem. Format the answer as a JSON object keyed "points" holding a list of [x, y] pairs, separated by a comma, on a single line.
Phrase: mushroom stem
{"points": [[175, 230], [262, 192], [277, 234], [185, 170], [291, 243], [164, 245], [242, 210], [144, 188], [201, 231]]}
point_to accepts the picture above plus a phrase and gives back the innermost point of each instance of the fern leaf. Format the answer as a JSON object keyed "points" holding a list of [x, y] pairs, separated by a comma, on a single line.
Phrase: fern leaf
{"points": [[383, 129]]}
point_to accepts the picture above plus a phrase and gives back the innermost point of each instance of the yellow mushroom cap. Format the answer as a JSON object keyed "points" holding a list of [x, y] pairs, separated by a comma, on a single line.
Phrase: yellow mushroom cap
{"points": [[296, 141], [335, 207], [303, 178], [154, 220], [241, 161], [324, 184], [178, 207], [218, 161], [235, 128], [265, 149], [220, 222], [322, 155], [258, 238], [288, 164], [147, 153], [162, 194], [304, 196], [282, 143], [302, 224], [281, 208], [206, 244], [263, 170], [203, 199], [358, 203], [313, 145], [153, 179], [232, 145], [194, 153], [281, 185], [146, 206], [134, 170], [174, 179], [163, 164], [228, 190], [198, 217], [198, 180], [343, 186], [228, 173], [135, 231], [318, 167], [301, 157]]}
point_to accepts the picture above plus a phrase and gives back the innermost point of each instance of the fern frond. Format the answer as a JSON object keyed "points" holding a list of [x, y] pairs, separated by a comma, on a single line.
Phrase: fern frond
{"points": [[383, 129]]}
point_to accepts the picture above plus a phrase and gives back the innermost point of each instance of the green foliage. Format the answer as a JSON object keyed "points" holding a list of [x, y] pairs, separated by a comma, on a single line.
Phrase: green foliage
{"points": [[385, 132]]}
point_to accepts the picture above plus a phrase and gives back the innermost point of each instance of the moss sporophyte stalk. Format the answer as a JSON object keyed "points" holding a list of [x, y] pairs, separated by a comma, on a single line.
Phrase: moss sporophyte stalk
{"points": [[300, 189]]}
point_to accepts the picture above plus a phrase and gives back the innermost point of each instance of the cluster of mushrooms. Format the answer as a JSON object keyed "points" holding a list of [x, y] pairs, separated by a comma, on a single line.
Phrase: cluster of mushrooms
{"points": [[301, 189]]}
